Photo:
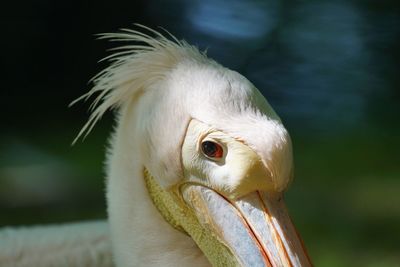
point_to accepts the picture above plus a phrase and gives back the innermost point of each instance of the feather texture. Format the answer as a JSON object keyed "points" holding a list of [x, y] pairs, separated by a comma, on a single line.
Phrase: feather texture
{"points": [[69, 245]]}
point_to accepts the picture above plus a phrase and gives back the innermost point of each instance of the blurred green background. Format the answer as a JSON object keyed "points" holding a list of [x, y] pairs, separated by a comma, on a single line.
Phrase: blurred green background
{"points": [[329, 68]]}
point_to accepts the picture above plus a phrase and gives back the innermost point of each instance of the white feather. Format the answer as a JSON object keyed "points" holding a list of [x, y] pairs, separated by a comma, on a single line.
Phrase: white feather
{"points": [[69, 245]]}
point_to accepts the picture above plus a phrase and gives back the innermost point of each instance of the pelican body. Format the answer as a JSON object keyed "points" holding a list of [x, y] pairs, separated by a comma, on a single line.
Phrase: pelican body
{"points": [[198, 162]]}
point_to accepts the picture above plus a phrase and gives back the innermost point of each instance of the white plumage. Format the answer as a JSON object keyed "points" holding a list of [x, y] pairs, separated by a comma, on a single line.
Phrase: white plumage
{"points": [[161, 88], [77, 244]]}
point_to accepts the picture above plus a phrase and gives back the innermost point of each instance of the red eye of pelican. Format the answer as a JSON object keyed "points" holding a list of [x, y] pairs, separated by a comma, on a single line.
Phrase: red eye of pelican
{"points": [[212, 149]]}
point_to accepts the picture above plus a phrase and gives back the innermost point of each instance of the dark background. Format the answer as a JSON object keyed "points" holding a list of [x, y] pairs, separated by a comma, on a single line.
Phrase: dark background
{"points": [[329, 68]]}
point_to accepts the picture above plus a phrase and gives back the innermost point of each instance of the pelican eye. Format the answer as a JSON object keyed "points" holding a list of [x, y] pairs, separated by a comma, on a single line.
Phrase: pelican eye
{"points": [[212, 149]]}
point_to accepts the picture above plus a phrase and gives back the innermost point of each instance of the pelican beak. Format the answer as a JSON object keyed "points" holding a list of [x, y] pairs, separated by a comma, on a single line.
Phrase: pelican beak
{"points": [[256, 228], [236, 199]]}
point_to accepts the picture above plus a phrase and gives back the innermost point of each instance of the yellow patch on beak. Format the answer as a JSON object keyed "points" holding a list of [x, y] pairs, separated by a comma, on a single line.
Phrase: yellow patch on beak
{"points": [[172, 207], [250, 173]]}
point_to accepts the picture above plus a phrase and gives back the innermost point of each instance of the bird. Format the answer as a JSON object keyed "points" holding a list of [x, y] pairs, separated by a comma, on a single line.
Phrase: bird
{"points": [[197, 164]]}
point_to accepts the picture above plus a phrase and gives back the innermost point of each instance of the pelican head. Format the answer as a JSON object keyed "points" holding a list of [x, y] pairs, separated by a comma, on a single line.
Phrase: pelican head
{"points": [[198, 162]]}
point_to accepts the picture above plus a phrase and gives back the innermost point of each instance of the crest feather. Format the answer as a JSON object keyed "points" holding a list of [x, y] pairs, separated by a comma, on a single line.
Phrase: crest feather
{"points": [[133, 68]]}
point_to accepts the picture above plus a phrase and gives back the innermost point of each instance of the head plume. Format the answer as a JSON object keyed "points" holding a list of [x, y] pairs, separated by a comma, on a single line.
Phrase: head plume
{"points": [[133, 68]]}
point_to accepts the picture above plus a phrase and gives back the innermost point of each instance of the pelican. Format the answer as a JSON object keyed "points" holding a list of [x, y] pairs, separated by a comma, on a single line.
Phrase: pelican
{"points": [[197, 164]]}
